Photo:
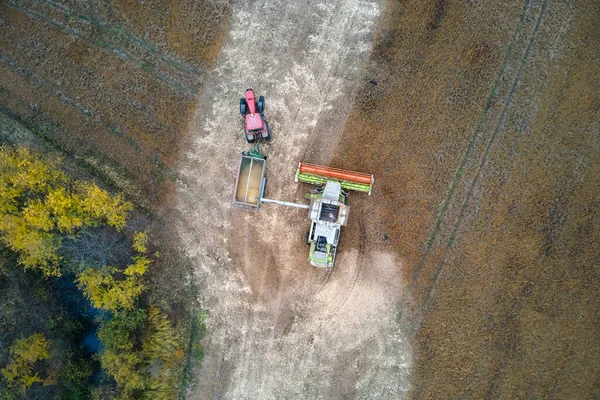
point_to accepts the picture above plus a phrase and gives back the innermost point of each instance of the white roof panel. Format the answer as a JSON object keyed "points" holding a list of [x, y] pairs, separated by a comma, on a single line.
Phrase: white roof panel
{"points": [[326, 231], [332, 190]]}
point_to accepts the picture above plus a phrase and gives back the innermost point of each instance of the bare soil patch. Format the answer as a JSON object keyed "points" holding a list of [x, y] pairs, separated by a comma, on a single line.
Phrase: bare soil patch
{"points": [[280, 328]]}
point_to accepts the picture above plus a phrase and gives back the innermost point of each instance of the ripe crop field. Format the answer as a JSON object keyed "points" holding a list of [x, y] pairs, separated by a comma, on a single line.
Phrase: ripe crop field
{"points": [[110, 82], [483, 129]]}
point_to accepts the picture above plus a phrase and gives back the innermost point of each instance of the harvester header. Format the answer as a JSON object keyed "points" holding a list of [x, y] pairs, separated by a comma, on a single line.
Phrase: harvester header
{"points": [[319, 175]]}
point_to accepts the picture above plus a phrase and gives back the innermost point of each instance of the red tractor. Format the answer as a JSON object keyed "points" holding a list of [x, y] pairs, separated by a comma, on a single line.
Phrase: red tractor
{"points": [[255, 124]]}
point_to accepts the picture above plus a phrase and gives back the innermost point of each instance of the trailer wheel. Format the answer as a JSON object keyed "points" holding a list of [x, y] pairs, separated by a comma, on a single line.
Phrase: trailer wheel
{"points": [[260, 105], [307, 241], [243, 107]]}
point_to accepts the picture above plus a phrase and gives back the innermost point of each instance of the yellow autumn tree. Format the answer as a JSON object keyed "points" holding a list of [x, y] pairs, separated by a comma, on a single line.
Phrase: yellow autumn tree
{"points": [[118, 291], [162, 345], [107, 292], [39, 204], [24, 353], [125, 367]]}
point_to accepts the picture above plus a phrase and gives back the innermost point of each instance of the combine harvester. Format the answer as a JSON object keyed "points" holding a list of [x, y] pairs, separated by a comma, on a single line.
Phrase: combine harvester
{"points": [[328, 209]]}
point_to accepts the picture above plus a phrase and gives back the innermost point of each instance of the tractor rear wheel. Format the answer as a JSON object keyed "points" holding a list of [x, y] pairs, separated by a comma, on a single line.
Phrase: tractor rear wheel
{"points": [[249, 139], [243, 107], [260, 105], [268, 137]]}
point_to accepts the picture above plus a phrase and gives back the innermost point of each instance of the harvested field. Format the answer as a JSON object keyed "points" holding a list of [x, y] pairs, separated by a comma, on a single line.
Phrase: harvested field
{"points": [[279, 328]]}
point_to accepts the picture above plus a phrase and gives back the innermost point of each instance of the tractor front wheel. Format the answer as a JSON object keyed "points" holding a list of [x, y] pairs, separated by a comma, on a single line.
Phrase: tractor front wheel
{"points": [[260, 105], [243, 107]]}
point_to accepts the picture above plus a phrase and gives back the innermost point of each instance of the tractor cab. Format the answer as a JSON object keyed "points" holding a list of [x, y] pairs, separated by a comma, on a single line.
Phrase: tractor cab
{"points": [[255, 124]]}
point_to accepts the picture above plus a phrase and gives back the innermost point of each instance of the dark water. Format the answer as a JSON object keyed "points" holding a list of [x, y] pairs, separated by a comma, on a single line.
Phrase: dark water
{"points": [[79, 308], [91, 343]]}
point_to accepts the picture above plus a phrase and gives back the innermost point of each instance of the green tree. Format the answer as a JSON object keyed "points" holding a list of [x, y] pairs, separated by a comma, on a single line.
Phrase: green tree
{"points": [[163, 349], [120, 358]]}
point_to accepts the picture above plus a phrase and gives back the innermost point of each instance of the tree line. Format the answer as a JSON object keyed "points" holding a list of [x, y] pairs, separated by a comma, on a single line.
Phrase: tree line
{"points": [[57, 231]]}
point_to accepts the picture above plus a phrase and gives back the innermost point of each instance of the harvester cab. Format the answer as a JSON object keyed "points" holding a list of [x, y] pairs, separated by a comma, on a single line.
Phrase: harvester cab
{"points": [[328, 212], [255, 124]]}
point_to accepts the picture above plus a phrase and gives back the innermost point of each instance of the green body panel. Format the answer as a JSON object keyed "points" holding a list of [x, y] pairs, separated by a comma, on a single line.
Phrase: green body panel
{"points": [[318, 180], [318, 260], [312, 252], [255, 151]]}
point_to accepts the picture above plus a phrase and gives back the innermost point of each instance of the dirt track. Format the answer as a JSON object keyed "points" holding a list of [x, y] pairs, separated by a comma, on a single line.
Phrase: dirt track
{"points": [[279, 328]]}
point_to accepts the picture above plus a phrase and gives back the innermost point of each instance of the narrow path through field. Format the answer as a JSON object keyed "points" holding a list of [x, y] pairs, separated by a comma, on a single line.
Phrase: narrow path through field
{"points": [[279, 328]]}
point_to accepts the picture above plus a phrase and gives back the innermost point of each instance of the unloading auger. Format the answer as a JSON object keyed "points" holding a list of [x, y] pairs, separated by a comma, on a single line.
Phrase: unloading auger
{"points": [[328, 209]]}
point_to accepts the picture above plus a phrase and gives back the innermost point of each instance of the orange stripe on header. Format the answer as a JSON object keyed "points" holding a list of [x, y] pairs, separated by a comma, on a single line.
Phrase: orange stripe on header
{"points": [[336, 173]]}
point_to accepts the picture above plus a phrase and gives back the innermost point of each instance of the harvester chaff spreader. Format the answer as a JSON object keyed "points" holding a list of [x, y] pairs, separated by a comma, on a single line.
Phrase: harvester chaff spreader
{"points": [[328, 210]]}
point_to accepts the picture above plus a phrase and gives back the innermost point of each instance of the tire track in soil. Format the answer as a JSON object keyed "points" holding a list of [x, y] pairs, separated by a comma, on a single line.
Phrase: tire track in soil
{"points": [[470, 147], [484, 161], [477, 133], [356, 273], [279, 328]]}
